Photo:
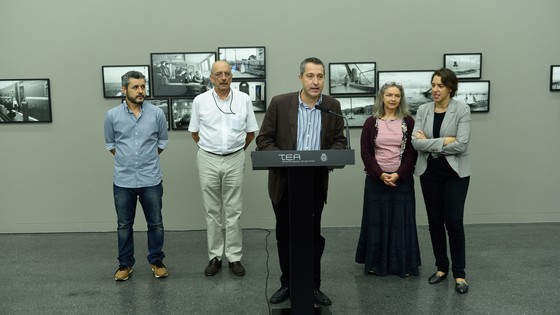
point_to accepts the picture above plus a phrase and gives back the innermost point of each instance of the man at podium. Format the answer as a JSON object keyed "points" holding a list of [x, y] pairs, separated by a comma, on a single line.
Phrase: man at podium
{"points": [[293, 123]]}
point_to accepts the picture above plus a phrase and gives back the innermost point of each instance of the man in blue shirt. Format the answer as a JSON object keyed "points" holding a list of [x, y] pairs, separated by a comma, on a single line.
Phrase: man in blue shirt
{"points": [[136, 133]]}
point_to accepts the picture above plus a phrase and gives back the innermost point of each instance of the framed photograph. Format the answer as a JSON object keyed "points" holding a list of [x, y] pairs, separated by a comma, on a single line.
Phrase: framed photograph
{"points": [[417, 85], [352, 78], [356, 109], [181, 113], [25, 101], [465, 66], [476, 94], [256, 91], [181, 74], [246, 62], [555, 78], [112, 79]]}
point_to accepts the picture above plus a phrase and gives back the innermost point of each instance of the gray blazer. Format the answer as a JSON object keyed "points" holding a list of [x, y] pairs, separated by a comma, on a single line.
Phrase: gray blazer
{"points": [[456, 123]]}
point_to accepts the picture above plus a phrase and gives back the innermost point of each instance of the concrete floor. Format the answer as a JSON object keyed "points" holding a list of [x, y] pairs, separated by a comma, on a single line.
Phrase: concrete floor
{"points": [[511, 269]]}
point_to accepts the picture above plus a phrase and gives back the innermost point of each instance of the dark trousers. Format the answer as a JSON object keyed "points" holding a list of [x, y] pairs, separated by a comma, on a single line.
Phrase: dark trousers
{"points": [[282, 213], [444, 196]]}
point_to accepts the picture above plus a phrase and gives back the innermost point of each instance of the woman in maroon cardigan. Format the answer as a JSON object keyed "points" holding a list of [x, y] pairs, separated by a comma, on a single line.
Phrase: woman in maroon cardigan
{"points": [[388, 241]]}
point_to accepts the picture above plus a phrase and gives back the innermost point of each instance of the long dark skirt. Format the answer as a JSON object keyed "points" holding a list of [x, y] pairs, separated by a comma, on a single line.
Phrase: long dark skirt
{"points": [[388, 241]]}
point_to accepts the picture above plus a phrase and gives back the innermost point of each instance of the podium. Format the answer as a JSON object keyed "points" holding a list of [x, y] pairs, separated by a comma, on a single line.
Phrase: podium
{"points": [[300, 165]]}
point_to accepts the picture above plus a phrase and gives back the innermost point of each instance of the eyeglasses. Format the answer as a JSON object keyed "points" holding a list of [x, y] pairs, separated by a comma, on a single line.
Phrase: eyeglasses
{"points": [[390, 84], [220, 74]]}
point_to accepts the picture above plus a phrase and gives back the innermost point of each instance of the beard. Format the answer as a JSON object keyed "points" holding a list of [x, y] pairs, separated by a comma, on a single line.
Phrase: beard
{"points": [[139, 99]]}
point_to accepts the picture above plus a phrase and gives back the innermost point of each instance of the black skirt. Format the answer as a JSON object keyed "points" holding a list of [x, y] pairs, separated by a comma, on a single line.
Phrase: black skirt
{"points": [[388, 241]]}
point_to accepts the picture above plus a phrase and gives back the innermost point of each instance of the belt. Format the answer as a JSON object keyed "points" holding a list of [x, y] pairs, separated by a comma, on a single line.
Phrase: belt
{"points": [[218, 154]]}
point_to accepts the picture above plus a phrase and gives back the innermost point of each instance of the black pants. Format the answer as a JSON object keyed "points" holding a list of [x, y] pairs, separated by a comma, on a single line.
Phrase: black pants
{"points": [[282, 213], [444, 195]]}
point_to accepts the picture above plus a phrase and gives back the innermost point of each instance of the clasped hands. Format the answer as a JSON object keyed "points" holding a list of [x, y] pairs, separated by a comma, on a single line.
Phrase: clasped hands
{"points": [[389, 179]]}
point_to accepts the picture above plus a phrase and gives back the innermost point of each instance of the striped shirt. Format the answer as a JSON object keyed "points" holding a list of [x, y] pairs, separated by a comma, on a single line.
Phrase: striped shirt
{"points": [[309, 127]]}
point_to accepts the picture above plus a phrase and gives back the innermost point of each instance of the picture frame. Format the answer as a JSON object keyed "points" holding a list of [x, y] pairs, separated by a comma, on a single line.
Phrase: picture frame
{"points": [[256, 91], [162, 103], [476, 94], [465, 65], [352, 78], [357, 109], [25, 101], [183, 74], [555, 78], [181, 113], [112, 79], [417, 85], [247, 63]]}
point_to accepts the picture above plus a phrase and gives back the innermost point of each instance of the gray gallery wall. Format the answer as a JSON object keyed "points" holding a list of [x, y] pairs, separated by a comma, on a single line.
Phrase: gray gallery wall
{"points": [[57, 176]]}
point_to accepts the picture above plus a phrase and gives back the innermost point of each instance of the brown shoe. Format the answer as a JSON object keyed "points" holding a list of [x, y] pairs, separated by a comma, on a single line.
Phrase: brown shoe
{"points": [[159, 269], [237, 268], [213, 267], [123, 273]]}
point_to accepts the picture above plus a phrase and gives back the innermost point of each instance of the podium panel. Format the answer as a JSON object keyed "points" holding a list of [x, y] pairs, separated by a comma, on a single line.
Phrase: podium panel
{"points": [[300, 165], [263, 160]]}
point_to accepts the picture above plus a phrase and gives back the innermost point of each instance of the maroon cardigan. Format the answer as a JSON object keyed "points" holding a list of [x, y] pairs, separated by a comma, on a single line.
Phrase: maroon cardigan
{"points": [[367, 141]]}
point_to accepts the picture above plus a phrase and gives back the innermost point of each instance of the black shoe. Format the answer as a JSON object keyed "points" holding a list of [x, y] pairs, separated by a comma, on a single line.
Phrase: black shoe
{"points": [[436, 279], [213, 267], [280, 296], [237, 268], [461, 287], [320, 298]]}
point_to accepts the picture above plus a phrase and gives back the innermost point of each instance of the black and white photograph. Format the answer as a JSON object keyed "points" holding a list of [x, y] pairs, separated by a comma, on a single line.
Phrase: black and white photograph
{"points": [[112, 82], [181, 112], [256, 91], [25, 101], [465, 66], [555, 78], [356, 109], [352, 78], [476, 94], [246, 62], [181, 74], [417, 85]]}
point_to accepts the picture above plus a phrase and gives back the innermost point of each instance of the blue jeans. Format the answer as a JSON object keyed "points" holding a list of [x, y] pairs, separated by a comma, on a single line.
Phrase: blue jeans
{"points": [[125, 203]]}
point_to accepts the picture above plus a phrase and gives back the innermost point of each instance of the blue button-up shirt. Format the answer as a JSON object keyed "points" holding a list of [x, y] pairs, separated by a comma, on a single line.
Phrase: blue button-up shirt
{"points": [[309, 126], [136, 141]]}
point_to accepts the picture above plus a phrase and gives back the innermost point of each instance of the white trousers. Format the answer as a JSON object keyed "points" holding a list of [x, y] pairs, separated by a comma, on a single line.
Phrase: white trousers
{"points": [[221, 180]]}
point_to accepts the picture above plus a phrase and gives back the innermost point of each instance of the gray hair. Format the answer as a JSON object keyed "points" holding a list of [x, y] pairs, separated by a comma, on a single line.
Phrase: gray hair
{"points": [[378, 108], [313, 60], [131, 74]]}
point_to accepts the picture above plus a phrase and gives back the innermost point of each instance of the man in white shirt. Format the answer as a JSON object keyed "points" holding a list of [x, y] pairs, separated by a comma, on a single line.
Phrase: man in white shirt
{"points": [[223, 125]]}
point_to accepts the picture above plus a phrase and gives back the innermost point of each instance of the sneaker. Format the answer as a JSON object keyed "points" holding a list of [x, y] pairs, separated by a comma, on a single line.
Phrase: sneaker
{"points": [[159, 269], [123, 273]]}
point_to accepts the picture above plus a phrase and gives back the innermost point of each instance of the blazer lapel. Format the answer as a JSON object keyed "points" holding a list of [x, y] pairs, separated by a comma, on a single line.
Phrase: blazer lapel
{"points": [[429, 123], [449, 118], [293, 118]]}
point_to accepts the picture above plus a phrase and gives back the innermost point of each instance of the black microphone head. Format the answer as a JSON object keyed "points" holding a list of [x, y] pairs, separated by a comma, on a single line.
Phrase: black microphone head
{"points": [[322, 108]]}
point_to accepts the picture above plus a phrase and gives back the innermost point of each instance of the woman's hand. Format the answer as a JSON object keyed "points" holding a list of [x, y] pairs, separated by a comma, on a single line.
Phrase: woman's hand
{"points": [[420, 135], [389, 179], [448, 140]]}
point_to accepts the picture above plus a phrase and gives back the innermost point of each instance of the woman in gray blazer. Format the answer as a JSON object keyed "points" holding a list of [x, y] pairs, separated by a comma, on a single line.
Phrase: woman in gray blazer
{"points": [[441, 137]]}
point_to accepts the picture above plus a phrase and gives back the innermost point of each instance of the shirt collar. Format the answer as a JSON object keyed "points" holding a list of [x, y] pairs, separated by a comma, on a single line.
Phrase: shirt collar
{"points": [[301, 104]]}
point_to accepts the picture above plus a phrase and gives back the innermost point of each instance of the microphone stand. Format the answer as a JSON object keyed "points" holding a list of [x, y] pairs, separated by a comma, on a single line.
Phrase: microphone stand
{"points": [[328, 111]]}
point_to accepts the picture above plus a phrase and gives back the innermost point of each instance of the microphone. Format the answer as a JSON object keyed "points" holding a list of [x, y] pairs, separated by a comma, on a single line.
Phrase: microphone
{"points": [[328, 111]]}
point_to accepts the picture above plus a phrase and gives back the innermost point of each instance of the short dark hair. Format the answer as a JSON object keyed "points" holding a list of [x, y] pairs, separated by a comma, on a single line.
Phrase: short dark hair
{"points": [[448, 78], [131, 74], [313, 60]]}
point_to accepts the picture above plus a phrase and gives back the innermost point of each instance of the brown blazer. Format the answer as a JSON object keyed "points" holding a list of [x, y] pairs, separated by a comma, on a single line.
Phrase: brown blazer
{"points": [[279, 132]]}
